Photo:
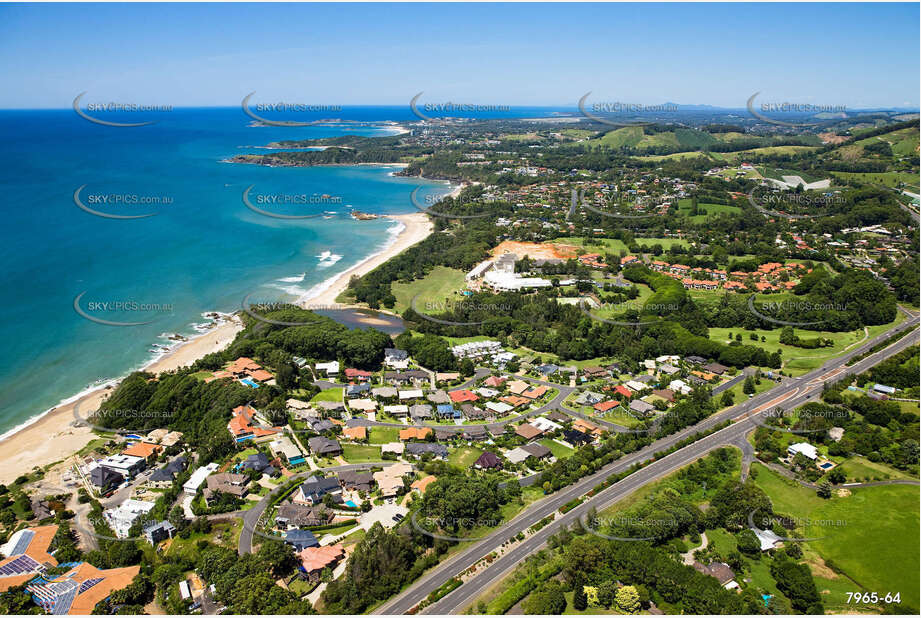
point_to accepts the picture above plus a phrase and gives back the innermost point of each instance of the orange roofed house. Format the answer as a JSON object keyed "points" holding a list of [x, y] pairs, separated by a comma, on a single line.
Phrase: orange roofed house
{"points": [[415, 433], [77, 591], [315, 559], [142, 449], [241, 426]]}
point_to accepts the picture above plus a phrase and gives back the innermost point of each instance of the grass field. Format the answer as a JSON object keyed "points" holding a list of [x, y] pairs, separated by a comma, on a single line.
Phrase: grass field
{"points": [[383, 435], [732, 157], [861, 469], [361, 453], [889, 179], [463, 457], [330, 394], [871, 536], [616, 246], [712, 210], [435, 290], [559, 451]]}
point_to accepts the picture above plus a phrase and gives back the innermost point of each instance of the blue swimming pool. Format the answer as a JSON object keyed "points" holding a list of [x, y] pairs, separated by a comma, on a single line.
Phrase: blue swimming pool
{"points": [[249, 383], [351, 504]]}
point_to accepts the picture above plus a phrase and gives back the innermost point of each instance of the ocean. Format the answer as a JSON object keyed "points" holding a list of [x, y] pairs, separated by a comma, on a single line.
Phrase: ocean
{"points": [[203, 250]]}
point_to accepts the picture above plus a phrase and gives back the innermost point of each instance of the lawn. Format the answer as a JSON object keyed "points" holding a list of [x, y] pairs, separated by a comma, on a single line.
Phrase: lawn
{"points": [[330, 394], [616, 246], [464, 456], [361, 453], [871, 535], [888, 179], [712, 210], [383, 435], [861, 469], [437, 291], [559, 451]]}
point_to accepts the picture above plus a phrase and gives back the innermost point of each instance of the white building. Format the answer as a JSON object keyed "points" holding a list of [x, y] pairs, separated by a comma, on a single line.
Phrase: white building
{"points": [[331, 368], [198, 477], [805, 448], [124, 515], [479, 270], [679, 386], [126, 465], [511, 282], [545, 424]]}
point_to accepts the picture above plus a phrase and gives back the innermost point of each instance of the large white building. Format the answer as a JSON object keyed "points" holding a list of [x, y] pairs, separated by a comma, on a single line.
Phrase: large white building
{"points": [[124, 515], [511, 282], [198, 477]]}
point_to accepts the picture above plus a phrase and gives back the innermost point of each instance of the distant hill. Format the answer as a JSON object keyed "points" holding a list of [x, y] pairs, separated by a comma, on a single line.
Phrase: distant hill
{"points": [[646, 138]]}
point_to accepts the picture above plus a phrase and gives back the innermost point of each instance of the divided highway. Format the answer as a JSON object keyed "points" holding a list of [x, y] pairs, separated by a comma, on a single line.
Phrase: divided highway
{"points": [[789, 394]]}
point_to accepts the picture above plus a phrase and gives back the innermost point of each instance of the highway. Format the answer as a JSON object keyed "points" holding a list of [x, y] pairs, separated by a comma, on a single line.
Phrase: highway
{"points": [[787, 395]]}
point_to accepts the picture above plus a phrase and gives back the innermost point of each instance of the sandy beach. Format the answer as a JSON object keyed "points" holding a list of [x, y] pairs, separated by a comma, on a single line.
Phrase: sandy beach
{"points": [[417, 227], [54, 437]]}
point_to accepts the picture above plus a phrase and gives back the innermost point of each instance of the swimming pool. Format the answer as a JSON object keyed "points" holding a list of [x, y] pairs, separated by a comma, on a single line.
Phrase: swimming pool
{"points": [[351, 504], [249, 383]]}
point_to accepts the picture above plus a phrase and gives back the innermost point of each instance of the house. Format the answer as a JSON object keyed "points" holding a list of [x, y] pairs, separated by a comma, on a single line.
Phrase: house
{"points": [[548, 369], [696, 360], [447, 411], [500, 408], [356, 480], [636, 386], [241, 426], [126, 465], [474, 432], [420, 412], [641, 407], [312, 490], [422, 484], [411, 394], [586, 427], [354, 390], [281, 446], [358, 433], [557, 416], [331, 408], [665, 393], [720, 570], [885, 390], [324, 447], [517, 387], [473, 413], [528, 431], [80, 588], [803, 448], [462, 396], [357, 375], [605, 406], [594, 373], [362, 405], [447, 376], [576, 438], [415, 377], [588, 398], [330, 369], [537, 450], [545, 424], [443, 434], [669, 370], [142, 449], [535, 393], [321, 425], [415, 433], [300, 515], [767, 538], [396, 358], [623, 391], [487, 393], [514, 400], [390, 479], [517, 455], [438, 397], [679, 386], [716, 368], [122, 517], [418, 449], [393, 447], [315, 560], [398, 410], [197, 478], [487, 461], [384, 392], [158, 531], [494, 381], [105, 479], [226, 483], [301, 539]]}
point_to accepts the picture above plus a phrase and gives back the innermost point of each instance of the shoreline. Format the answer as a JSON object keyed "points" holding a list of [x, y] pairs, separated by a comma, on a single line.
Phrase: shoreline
{"points": [[52, 436], [416, 227]]}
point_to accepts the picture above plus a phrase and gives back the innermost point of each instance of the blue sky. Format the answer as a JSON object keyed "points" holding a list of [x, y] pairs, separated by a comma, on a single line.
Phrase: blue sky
{"points": [[858, 55]]}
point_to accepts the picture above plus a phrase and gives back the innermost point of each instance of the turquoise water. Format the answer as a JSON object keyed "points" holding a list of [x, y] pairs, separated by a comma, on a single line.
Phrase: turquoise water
{"points": [[204, 250]]}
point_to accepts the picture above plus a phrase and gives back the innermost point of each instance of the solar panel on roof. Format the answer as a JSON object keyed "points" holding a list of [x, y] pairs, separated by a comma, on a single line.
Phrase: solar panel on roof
{"points": [[22, 544], [22, 564], [89, 584]]}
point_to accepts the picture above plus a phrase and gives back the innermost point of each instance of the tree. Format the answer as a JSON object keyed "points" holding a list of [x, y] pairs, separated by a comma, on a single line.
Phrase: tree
{"points": [[824, 490], [748, 543], [749, 387], [627, 600], [579, 599], [607, 593], [548, 599], [837, 476], [727, 399]]}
